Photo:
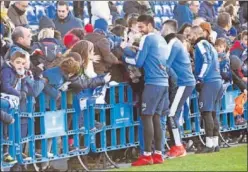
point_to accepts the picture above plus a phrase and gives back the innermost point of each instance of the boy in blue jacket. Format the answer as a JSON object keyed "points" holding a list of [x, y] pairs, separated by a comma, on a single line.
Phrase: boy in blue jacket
{"points": [[12, 91], [183, 13], [223, 56], [179, 61], [209, 85]]}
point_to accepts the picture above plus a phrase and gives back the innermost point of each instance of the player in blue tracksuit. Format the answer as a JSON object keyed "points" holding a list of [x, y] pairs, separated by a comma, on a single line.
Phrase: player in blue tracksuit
{"points": [[152, 57], [179, 61], [209, 85]]}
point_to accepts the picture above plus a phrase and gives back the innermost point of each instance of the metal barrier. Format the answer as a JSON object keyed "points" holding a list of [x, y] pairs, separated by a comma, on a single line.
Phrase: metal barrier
{"points": [[192, 118], [51, 137], [193, 127], [117, 117], [51, 123]]}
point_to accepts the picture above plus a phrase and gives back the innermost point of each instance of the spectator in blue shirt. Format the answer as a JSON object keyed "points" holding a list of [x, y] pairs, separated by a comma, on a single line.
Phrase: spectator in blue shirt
{"points": [[183, 13], [207, 11], [65, 20], [224, 24]]}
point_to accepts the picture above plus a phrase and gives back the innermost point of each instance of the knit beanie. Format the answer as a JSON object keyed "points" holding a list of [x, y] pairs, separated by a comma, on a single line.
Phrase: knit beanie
{"points": [[206, 27], [89, 28], [101, 24], [70, 39], [45, 22], [15, 49]]}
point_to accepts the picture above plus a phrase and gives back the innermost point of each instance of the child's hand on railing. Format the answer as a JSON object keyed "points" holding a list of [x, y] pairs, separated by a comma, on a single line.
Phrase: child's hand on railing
{"points": [[107, 77], [64, 87], [12, 121]]}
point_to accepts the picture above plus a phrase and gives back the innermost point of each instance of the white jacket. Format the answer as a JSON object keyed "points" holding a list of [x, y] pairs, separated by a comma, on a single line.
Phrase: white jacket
{"points": [[100, 9]]}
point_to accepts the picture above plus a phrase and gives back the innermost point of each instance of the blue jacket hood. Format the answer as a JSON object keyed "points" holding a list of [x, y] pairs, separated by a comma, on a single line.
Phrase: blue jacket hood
{"points": [[8, 65]]}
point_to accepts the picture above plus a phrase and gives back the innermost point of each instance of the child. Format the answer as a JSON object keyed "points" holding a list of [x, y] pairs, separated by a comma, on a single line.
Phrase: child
{"points": [[240, 50], [11, 85], [86, 50], [68, 73], [67, 76], [12, 73], [133, 32], [225, 69], [88, 76], [209, 86], [134, 73]]}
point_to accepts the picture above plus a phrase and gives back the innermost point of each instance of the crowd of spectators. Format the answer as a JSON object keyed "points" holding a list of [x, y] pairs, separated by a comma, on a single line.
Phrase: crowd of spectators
{"points": [[66, 55]]}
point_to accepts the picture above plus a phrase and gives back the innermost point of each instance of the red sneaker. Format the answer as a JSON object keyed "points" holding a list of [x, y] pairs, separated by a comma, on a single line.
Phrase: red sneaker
{"points": [[157, 159], [171, 150], [177, 151], [143, 160]]}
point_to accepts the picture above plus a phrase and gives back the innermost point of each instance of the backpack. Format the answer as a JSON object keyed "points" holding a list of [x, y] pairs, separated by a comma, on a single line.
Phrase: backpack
{"points": [[45, 52], [225, 70]]}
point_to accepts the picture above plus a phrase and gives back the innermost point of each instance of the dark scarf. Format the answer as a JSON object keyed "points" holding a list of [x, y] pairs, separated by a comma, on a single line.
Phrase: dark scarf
{"points": [[169, 37], [202, 38], [28, 49], [19, 12]]}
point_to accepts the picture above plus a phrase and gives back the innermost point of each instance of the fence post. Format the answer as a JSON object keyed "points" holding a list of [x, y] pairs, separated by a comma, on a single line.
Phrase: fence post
{"points": [[65, 138], [42, 99], [31, 145], [112, 116]]}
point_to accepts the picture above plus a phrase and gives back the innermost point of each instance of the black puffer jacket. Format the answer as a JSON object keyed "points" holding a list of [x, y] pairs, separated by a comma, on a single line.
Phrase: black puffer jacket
{"points": [[80, 83]]}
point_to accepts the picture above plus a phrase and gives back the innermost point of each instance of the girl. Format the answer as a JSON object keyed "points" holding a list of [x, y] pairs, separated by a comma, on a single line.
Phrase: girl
{"points": [[133, 32], [86, 50]]}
